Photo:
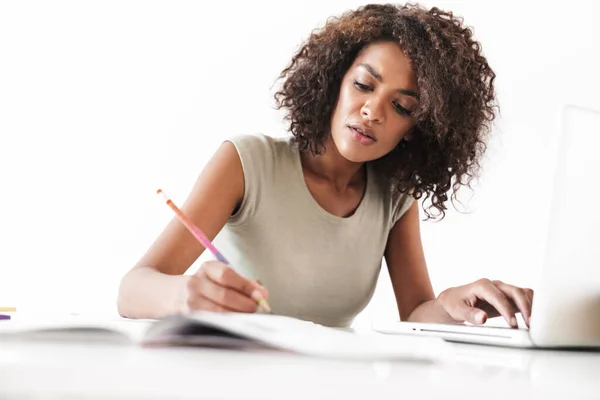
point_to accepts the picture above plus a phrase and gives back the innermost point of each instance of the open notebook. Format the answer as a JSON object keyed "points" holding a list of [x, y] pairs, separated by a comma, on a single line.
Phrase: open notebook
{"points": [[223, 330]]}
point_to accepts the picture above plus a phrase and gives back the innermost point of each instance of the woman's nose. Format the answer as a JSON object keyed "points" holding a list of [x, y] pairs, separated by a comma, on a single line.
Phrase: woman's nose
{"points": [[372, 111]]}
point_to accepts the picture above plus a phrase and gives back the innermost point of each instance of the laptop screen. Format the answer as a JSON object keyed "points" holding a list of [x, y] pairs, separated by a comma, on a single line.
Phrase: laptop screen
{"points": [[575, 218]]}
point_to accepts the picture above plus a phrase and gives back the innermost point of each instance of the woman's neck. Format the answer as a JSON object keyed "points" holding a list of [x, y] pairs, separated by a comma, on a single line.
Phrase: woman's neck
{"points": [[332, 167]]}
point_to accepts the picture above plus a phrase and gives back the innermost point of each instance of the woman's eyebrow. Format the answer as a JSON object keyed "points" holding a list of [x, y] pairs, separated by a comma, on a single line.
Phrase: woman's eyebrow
{"points": [[371, 71], [377, 76]]}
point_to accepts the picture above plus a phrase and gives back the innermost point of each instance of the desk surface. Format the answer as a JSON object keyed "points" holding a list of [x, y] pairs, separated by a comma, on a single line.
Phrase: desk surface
{"points": [[98, 370]]}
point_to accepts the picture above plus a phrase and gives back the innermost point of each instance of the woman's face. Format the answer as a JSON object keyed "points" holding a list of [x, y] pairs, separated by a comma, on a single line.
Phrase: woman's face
{"points": [[377, 96]]}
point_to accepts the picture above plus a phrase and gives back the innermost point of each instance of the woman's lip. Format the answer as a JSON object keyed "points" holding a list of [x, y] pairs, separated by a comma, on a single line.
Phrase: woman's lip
{"points": [[361, 138], [361, 131]]}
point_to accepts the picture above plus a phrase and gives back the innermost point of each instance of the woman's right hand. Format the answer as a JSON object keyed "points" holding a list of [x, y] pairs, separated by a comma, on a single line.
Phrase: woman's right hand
{"points": [[217, 287]]}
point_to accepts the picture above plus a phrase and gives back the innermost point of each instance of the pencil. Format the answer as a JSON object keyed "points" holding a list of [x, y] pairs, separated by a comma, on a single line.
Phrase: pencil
{"points": [[8, 309], [198, 234]]}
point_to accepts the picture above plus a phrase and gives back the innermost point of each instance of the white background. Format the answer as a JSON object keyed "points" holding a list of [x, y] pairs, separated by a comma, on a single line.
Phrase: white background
{"points": [[103, 102]]}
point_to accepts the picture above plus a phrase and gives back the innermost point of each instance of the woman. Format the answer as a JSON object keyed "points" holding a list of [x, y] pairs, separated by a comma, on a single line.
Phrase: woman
{"points": [[386, 104]]}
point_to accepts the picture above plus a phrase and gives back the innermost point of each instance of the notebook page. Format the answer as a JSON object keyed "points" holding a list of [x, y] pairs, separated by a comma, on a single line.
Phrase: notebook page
{"points": [[73, 327], [306, 337]]}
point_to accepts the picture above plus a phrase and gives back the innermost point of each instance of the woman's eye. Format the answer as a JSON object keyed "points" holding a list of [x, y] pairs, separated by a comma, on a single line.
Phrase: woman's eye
{"points": [[401, 109], [366, 88], [361, 86]]}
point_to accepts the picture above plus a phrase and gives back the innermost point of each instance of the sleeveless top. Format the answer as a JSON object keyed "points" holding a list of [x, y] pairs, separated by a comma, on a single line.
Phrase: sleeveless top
{"points": [[316, 266]]}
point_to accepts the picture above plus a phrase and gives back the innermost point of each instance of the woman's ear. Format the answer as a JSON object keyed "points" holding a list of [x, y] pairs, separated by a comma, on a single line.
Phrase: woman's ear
{"points": [[408, 136]]}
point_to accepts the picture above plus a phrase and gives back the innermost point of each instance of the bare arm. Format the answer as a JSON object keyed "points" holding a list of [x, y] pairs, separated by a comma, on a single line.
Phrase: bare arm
{"points": [[155, 286], [408, 272], [474, 302]]}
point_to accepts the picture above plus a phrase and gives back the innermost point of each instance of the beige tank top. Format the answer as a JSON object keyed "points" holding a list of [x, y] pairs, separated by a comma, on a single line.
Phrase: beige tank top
{"points": [[316, 266]]}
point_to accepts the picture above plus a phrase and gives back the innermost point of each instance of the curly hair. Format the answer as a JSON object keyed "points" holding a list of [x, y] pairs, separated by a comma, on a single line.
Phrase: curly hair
{"points": [[456, 95]]}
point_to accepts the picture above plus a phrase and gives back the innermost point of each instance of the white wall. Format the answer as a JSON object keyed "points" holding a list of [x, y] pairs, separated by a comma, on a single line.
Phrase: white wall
{"points": [[103, 102]]}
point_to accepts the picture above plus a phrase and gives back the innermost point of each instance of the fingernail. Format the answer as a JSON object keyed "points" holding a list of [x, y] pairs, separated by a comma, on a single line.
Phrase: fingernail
{"points": [[260, 284], [513, 321], [256, 294], [480, 317], [263, 303]]}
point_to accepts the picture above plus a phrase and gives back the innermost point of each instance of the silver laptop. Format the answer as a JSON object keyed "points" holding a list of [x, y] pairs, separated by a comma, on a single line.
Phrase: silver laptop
{"points": [[566, 306]]}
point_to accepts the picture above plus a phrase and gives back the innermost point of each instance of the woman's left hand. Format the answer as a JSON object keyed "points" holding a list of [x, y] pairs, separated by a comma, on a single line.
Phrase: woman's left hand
{"points": [[483, 299]]}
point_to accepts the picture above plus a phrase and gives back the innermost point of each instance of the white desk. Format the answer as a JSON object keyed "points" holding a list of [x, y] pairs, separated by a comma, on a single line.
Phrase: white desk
{"points": [[82, 370]]}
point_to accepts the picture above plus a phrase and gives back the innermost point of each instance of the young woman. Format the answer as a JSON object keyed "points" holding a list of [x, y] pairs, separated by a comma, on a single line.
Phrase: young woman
{"points": [[387, 105]]}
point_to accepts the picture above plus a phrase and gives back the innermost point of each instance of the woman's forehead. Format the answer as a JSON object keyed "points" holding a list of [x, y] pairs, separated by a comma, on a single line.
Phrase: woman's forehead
{"points": [[388, 62]]}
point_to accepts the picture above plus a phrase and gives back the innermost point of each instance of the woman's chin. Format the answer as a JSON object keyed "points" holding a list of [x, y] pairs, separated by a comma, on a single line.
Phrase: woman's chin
{"points": [[356, 155], [352, 150]]}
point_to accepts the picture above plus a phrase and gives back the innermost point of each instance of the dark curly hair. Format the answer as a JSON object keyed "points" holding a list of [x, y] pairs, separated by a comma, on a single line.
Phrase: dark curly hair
{"points": [[456, 93]]}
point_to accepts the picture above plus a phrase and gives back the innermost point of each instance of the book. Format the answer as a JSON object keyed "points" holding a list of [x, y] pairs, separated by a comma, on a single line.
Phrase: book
{"points": [[221, 330]]}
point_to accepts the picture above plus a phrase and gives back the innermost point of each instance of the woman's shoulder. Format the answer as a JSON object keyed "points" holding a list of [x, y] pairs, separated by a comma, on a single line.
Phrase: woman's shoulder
{"points": [[262, 157], [262, 154], [395, 203], [259, 143]]}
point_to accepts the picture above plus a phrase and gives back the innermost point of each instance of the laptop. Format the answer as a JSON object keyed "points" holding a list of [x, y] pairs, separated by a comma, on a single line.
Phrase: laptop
{"points": [[566, 306]]}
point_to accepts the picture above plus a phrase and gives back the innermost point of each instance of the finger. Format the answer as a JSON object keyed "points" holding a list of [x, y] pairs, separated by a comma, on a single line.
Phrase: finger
{"points": [[263, 288], [470, 314], [519, 297], [530, 294], [224, 296], [462, 310], [202, 303], [225, 276], [487, 291]]}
